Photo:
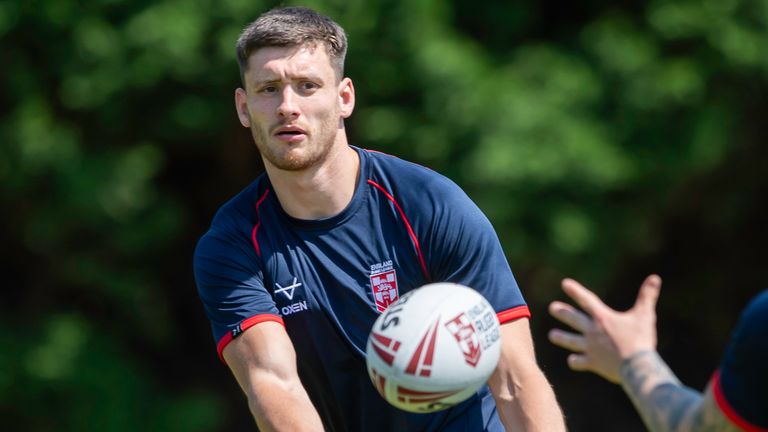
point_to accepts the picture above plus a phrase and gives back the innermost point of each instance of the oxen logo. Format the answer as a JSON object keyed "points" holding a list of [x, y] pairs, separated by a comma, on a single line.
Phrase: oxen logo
{"points": [[287, 291], [384, 288], [466, 336]]}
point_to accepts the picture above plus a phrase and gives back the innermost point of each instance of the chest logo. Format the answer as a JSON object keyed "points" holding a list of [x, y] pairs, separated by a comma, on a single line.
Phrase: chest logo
{"points": [[384, 285], [287, 291]]}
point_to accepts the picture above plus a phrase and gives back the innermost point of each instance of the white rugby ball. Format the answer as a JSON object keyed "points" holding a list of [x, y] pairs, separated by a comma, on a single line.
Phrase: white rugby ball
{"points": [[433, 348]]}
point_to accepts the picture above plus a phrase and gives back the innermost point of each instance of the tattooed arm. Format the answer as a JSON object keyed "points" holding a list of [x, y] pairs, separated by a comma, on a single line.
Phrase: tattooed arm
{"points": [[621, 347], [663, 402]]}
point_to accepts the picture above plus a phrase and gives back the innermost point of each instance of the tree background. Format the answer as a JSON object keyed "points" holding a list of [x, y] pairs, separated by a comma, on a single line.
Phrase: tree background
{"points": [[605, 140]]}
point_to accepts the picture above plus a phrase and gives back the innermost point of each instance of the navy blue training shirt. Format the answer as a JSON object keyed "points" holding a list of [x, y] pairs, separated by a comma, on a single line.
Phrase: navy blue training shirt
{"points": [[328, 280], [741, 383]]}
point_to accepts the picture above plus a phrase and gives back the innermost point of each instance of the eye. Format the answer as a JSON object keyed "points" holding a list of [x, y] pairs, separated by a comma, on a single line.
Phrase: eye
{"points": [[268, 89], [308, 86]]}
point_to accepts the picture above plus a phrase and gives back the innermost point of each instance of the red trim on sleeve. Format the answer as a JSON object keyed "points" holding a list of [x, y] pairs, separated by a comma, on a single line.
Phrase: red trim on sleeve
{"points": [[407, 226], [728, 410], [513, 314], [243, 326]]}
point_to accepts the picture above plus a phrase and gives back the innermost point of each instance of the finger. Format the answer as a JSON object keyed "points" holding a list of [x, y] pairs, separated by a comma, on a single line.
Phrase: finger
{"points": [[569, 341], [570, 316], [578, 362], [649, 293], [585, 298]]}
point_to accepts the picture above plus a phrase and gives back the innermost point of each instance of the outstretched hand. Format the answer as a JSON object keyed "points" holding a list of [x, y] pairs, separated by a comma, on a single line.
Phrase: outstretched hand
{"points": [[605, 337]]}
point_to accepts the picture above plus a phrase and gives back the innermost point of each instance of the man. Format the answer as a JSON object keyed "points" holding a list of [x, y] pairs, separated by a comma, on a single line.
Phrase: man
{"points": [[621, 347], [290, 273]]}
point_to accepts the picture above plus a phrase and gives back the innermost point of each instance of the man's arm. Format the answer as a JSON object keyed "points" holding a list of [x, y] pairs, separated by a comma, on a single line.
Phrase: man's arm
{"points": [[621, 347], [264, 363], [664, 403], [524, 398]]}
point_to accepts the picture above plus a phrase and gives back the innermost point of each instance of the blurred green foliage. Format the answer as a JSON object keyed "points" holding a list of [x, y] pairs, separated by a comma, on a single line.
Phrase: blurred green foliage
{"points": [[603, 140]]}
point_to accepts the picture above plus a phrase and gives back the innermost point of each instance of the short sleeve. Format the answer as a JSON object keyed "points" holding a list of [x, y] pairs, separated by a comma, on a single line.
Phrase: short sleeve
{"points": [[230, 284], [741, 383], [468, 251]]}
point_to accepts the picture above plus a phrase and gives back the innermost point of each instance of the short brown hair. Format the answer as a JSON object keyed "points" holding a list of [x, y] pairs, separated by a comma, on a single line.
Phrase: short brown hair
{"points": [[292, 26]]}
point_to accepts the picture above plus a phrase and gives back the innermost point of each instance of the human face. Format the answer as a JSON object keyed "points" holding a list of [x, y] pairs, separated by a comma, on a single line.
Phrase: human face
{"points": [[295, 105]]}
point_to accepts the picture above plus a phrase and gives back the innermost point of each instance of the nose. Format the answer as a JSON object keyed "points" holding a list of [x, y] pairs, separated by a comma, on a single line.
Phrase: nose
{"points": [[288, 107]]}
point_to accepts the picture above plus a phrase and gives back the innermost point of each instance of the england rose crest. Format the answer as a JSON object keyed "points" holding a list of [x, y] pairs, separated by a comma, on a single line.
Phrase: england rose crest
{"points": [[384, 288]]}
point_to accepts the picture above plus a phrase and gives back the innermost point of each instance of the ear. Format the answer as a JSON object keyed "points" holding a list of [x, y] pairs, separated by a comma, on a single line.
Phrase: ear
{"points": [[241, 105], [346, 97]]}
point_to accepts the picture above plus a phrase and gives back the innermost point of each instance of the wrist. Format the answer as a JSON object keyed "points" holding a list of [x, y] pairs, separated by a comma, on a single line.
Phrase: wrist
{"points": [[632, 360], [647, 368]]}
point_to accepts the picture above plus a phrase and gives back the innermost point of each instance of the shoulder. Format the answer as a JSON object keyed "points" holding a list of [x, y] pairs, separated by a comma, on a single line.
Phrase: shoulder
{"points": [[742, 378], [432, 201], [751, 333], [233, 222], [756, 313], [242, 207], [414, 182], [240, 211], [387, 165]]}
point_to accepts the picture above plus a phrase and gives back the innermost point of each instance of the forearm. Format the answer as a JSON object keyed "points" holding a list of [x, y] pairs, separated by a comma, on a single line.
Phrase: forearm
{"points": [[663, 402], [283, 406], [524, 398], [528, 403], [264, 364]]}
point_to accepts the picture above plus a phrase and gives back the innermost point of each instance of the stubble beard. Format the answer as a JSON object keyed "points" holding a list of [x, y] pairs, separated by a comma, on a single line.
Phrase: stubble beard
{"points": [[299, 156]]}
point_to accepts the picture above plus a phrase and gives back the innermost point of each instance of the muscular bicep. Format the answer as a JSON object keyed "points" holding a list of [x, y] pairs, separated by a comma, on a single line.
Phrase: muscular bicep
{"points": [[524, 398], [517, 359], [264, 351], [517, 351], [263, 362]]}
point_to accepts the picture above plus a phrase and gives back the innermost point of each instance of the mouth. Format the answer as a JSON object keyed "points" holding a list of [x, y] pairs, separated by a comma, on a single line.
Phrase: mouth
{"points": [[290, 133]]}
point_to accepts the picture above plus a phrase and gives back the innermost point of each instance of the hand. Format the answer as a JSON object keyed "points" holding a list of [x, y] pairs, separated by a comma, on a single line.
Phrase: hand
{"points": [[606, 337]]}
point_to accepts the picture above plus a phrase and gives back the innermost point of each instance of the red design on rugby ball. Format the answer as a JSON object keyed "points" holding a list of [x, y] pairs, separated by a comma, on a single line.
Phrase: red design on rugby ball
{"points": [[385, 347], [421, 361], [466, 336], [380, 381], [410, 396]]}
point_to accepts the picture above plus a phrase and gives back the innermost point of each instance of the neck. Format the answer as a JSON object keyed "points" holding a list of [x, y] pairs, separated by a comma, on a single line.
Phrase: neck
{"points": [[321, 191]]}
